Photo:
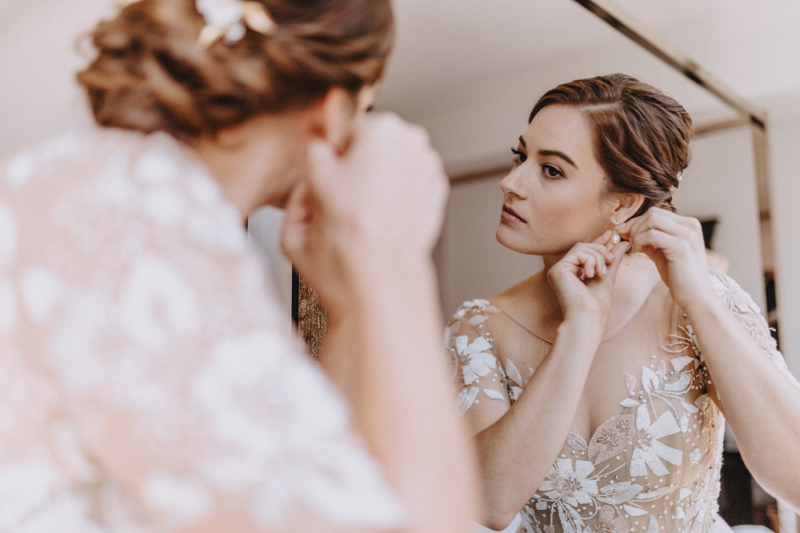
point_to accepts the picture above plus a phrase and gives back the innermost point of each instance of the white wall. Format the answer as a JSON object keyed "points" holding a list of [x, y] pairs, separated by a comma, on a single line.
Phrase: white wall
{"points": [[720, 183], [264, 235], [472, 263], [38, 61], [784, 113]]}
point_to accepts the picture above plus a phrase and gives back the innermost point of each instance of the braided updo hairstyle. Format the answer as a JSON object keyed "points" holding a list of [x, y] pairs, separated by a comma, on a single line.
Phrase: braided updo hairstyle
{"points": [[150, 73], [641, 135]]}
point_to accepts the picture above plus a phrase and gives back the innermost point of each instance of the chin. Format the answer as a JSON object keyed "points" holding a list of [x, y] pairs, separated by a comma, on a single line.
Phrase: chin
{"points": [[530, 245], [513, 240]]}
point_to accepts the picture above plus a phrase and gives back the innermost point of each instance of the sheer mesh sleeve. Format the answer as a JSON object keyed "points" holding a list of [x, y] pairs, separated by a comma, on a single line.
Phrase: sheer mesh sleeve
{"points": [[749, 315], [146, 383], [478, 375]]}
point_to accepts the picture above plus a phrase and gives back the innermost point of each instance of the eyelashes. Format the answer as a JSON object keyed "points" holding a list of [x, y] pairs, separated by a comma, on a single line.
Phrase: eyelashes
{"points": [[549, 171]]}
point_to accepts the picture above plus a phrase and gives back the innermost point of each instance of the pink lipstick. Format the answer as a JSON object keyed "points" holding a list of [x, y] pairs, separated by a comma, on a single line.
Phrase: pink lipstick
{"points": [[511, 215]]}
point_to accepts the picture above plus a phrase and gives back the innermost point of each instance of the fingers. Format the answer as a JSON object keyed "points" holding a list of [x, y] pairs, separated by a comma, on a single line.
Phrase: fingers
{"points": [[666, 221], [649, 232], [651, 240], [592, 259], [604, 239], [299, 209], [321, 159]]}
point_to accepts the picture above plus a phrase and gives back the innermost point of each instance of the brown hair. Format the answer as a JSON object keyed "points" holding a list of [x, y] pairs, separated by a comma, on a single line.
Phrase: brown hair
{"points": [[152, 75], [641, 135]]}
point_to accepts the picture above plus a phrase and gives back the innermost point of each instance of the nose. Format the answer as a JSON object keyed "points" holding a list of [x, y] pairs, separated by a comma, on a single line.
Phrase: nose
{"points": [[513, 184]]}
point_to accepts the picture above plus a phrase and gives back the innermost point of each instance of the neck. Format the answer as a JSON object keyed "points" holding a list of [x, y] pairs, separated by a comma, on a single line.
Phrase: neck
{"points": [[545, 290], [254, 163], [635, 279]]}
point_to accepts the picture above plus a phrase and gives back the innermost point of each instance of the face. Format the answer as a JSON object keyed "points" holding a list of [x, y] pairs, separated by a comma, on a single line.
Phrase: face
{"points": [[553, 198]]}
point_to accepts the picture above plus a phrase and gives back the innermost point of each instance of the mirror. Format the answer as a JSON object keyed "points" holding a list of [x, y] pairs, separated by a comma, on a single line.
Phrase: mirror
{"points": [[470, 75]]}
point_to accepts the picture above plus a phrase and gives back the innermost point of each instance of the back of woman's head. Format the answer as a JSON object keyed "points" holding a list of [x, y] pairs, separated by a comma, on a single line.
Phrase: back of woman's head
{"points": [[641, 135], [152, 74]]}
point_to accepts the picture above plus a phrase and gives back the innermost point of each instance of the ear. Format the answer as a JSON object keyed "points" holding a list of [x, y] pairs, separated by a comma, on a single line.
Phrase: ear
{"points": [[333, 118], [625, 205]]}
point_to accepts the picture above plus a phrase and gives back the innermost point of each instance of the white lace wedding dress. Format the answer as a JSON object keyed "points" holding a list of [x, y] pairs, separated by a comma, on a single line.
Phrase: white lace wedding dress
{"points": [[653, 466], [146, 382]]}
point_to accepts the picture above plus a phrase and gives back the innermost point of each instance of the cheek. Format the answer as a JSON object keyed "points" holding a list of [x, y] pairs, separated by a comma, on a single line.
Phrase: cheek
{"points": [[559, 220], [565, 211]]}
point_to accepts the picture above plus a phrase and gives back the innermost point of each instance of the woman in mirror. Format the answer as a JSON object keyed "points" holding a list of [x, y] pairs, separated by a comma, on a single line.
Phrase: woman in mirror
{"points": [[597, 389], [147, 382]]}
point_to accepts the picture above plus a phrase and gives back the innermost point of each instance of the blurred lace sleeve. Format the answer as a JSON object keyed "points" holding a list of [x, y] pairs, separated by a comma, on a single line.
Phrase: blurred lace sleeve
{"points": [[747, 312], [176, 399]]}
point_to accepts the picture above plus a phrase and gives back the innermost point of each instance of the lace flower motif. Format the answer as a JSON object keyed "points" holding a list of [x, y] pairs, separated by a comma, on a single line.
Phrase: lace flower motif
{"points": [[569, 484], [479, 355], [649, 450], [703, 504], [478, 305], [609, 522], [732, 295]]}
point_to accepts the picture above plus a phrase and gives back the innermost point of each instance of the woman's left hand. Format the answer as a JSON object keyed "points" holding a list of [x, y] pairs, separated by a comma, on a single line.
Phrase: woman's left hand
{"points": [[676, 245]]}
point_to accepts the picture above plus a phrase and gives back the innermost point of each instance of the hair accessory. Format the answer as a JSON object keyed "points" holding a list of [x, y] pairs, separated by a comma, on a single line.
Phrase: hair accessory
{"points": [[229, 20], [680, 175], [615, 238]]}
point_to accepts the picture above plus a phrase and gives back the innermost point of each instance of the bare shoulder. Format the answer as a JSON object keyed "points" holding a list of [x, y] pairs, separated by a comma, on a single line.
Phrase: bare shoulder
{"points": [[519, 296]]}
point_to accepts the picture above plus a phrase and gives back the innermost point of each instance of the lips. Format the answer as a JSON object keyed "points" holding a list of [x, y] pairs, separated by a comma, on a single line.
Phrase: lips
{"points": [[511, 215]]}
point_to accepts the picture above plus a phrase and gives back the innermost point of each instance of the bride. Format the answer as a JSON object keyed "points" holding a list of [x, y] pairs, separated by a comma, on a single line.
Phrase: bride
{"points": [[598, 388]]}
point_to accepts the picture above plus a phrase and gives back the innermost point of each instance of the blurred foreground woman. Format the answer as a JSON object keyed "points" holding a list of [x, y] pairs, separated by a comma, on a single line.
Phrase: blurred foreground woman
{"points": [[146, 384]]}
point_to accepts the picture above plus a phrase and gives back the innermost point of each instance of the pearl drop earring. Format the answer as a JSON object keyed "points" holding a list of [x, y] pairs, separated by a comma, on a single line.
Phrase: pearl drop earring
{"points": [[615, 239]]}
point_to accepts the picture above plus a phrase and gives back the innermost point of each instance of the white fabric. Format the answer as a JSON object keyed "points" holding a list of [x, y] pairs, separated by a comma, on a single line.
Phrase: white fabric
{"points": [[146, 382]]}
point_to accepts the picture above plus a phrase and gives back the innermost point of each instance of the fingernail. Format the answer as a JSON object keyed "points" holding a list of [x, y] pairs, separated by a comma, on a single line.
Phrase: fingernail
{"points": [[622, 225], [604, 269], [591, 273]]}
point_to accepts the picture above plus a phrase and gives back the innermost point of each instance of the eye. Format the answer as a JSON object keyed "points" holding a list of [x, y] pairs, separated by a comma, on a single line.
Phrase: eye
{"points": [[551, 172], [519, 156]]}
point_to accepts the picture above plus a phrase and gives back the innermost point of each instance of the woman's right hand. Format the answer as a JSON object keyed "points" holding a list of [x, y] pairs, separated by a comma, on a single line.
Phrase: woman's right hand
{"points": [[583, 279], [378, 206]]}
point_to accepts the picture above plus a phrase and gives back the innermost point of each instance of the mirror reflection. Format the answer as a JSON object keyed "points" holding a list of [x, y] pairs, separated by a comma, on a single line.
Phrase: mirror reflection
{"points": [[508, 226]]}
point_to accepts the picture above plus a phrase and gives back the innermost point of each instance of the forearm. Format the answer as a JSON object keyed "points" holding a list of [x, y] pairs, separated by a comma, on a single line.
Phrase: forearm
{"points": [[517, 451], [760, 403], [386, 353]]}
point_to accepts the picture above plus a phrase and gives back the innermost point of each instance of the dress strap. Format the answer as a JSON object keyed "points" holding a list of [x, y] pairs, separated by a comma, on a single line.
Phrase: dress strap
{"points": [[610, 337]]}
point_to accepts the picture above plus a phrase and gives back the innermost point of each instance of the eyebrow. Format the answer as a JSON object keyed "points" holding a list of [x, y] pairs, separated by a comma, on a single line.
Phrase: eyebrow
{"points": [[555, 153], [561, 155]]}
